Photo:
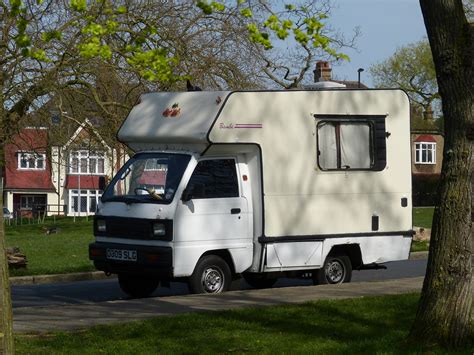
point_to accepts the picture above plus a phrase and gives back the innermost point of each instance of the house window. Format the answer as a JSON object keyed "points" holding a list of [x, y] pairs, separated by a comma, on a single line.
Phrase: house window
{"points": [[83, 201], [345, 145], [87, 162], [30, 202], [26, 202], [156, 165], [31, 161], [425, 153]]}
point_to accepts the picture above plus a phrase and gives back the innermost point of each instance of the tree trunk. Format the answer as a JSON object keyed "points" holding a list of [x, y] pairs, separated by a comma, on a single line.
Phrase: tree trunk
{"points": [[444, 315], [6, 318]]}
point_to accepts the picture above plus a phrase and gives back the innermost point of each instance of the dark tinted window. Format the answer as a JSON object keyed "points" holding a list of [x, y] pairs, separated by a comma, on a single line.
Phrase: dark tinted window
{"points": [[214, 179]]}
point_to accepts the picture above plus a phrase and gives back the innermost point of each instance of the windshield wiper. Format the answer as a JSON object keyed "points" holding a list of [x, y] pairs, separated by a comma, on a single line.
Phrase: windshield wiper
{"points": [[127, 199]]}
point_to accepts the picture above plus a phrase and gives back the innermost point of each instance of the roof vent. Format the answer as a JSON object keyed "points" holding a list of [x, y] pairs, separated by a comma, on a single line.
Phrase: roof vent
{"points": [[324, 85]]}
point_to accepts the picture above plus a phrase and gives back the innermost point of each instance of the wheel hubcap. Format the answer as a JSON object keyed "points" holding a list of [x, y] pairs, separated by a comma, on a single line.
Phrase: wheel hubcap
{"points": [[212, 280], [335, 272]]}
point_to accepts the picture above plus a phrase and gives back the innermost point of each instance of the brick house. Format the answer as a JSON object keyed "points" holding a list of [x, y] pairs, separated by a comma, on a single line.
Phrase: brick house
{"points": [[57, 178], [427, 152], [27, 173], [427, 142]]}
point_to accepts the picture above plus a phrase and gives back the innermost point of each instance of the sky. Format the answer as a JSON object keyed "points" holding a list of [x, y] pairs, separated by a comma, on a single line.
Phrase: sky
{"points": [[385, 25]]}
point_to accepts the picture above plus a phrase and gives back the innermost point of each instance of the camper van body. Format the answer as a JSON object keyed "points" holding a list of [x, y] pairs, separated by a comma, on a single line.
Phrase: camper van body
{"points": [[268, 182]]}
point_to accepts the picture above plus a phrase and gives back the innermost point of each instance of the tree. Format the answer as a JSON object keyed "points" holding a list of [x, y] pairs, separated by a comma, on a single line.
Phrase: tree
{"points": [[47, 46], [410, 68], [445, 311]]}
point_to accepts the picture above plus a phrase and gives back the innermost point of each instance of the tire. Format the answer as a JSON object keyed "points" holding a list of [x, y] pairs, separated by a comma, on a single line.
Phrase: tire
{"points": [[211, 275], [137, 286], [336, 270], [259, 280]]}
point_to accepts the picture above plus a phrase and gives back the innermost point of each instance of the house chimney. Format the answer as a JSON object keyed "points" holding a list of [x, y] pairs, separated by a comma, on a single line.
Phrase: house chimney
{"points": [[428, 114], [322, 71]]}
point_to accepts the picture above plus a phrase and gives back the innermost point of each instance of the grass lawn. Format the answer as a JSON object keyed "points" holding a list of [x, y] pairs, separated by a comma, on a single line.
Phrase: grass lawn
{"points": [[423, 216], [356, 326], [61, 252]]}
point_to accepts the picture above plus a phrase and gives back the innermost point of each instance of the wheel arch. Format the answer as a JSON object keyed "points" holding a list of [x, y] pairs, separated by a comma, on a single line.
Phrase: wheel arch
{"points": [[224, 254], [351, 250]]}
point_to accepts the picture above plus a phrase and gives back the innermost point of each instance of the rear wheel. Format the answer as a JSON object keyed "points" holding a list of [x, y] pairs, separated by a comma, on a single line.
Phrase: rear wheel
{"points": [[137, 286], [336, 270], [211, 275], [259, 280]]}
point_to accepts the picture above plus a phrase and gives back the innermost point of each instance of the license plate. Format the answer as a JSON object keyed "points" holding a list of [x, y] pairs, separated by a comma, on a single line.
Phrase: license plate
{"points": [[121, 254]]}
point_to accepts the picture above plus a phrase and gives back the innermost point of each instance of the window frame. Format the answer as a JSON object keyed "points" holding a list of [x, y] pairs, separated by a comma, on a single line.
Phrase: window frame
{"points": [[88, 194], [31, 201], [35, 156], [88, 156], [156, 168], [338, 122], [234, 159], [378, 147], [420, 150]]}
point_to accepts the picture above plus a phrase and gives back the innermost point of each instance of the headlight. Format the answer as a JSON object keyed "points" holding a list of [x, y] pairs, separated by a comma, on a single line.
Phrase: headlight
{"points": [[159, 229], [101, 225]]}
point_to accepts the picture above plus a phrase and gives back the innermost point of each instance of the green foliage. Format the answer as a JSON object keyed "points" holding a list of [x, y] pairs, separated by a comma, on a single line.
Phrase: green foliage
{"points": [[410, 68], [39, 54], [101, 22], [209, 8], [259, 37], [94, 48], [79, 5], [51, 35], [246, 12], [154, 64]]}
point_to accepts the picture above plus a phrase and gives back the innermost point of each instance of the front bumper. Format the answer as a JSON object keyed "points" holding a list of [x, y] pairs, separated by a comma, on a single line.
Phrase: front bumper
{"points": [[157, 261]]}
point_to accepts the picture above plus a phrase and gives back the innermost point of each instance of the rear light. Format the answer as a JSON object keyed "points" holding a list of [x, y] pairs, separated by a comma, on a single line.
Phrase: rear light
{"points": [[152, 258], [96, 252]]}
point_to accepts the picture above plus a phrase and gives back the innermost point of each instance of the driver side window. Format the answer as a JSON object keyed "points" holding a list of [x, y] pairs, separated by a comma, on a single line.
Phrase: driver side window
{"points": [[215, 178]]}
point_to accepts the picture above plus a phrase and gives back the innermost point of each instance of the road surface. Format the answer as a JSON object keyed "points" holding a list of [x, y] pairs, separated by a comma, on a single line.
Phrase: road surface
{"points": [[84, 292]]}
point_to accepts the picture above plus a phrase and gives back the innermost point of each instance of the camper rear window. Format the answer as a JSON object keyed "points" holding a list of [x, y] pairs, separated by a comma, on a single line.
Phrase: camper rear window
{"points": [[345, 145]]}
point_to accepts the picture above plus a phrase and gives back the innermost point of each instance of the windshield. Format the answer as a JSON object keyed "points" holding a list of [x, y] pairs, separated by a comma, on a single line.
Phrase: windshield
{"points": [[148, 177]]}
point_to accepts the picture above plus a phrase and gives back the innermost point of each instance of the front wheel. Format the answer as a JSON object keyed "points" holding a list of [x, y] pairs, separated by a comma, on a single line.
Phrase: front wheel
{"points": [[211, 275], [336, 270], [137, 286]]}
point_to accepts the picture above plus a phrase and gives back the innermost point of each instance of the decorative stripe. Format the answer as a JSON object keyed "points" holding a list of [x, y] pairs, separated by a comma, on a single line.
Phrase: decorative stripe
{"points": [[248, 125]]}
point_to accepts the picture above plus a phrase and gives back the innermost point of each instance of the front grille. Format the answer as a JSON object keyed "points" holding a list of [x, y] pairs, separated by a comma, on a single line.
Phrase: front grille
{"points": [[132, 228]]}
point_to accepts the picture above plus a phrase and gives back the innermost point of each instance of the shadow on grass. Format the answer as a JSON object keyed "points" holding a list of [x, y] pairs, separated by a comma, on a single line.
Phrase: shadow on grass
{"points": [[356, 326], [366, 325]]}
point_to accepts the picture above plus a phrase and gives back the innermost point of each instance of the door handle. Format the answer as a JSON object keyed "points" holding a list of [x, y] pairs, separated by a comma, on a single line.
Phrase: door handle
{"points": [[235, 211]]}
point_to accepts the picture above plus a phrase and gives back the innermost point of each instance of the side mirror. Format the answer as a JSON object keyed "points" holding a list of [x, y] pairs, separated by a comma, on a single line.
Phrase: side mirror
{"points": [[102, 183], [192, 191], [187, 195]]}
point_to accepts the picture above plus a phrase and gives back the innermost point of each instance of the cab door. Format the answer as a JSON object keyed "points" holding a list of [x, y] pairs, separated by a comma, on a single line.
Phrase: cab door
{"points": [[213, 211]]}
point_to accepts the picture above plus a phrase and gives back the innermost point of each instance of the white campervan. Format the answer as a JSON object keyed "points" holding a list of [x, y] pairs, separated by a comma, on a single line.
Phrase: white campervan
{"points": [[259, 184]]}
